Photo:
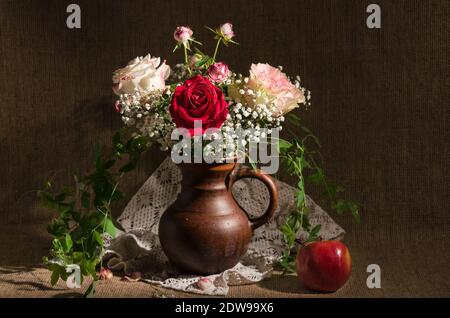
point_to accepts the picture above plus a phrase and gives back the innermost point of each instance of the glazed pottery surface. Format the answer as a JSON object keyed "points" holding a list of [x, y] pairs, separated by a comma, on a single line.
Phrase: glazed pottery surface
{"points": [[205, 231]]}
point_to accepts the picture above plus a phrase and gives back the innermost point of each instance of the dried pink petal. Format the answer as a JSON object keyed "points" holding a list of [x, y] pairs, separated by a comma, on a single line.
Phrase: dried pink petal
{"points": [[105, 273]]}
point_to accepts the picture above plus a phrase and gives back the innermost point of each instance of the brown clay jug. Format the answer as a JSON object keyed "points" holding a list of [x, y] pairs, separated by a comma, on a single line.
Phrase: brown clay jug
{"points": [[205, 231]]}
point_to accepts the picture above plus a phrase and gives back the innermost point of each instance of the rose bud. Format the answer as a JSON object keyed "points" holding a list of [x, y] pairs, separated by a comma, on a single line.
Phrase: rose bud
{"points": [[204, 283], [117, 106], [218, 72], [182, 34], [227, 30], [105, 274], [194, 59]]}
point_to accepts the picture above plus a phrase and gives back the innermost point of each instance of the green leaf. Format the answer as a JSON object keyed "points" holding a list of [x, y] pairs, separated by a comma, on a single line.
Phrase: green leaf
{"points": [[119, 149], [63, 274], [356, 216], [317, 177], [300, 162], [304, 163], [57, 227], [284, 145], [128, 167], [117, 195], [299, 198], [205, 59], [61, 197], [305, 222], [77, 257], [57, 246], [313, 234], [286, 262], [108, 164], [314, 138], [339, 206], [354, 209], [315, 230], [87, 266], [293, 119], [333, 190], [47, 200], [109, 227], [287, 229], [69, 243], [96, 236], [55, 274], [116, 138], [306, 130], [289, 234], [90, 292]]}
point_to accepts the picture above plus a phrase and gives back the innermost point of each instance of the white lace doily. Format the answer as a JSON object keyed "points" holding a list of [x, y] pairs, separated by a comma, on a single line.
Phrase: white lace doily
{"points": [[138, 250]]}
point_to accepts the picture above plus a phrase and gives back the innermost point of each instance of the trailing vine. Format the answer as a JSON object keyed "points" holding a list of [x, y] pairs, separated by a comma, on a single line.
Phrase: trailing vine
{"points": [[301, 157], [83, 214]]}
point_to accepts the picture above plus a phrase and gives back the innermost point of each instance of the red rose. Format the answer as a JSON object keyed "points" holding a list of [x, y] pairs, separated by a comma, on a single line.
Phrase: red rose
{"points": [[198, 99]]}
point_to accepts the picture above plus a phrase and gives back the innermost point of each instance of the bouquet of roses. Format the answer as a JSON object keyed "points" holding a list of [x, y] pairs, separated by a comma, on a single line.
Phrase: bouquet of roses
{"points": [[203, 103], [204, 99]]}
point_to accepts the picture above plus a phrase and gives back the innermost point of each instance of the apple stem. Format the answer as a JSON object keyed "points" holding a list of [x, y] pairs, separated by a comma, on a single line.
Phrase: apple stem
{"points": [[299, 242]]}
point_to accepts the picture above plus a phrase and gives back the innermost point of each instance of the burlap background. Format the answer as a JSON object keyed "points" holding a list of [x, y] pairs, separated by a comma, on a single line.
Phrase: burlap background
{"points": [[380, 108]]}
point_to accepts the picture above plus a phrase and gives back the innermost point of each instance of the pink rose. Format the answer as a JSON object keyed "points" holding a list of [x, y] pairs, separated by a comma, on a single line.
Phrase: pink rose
{"points": [[182, 34], [227, 30], [275, 85], [144, 74], [218, 72]]}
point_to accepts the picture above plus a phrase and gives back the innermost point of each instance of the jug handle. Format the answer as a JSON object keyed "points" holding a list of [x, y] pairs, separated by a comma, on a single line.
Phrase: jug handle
{"points": [[245, 172]]}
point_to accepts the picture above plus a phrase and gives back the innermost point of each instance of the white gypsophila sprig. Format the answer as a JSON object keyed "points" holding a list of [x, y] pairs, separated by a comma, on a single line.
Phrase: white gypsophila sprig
{"points": [[245, 124], [149, 116], [307, 93], [179, 73]]}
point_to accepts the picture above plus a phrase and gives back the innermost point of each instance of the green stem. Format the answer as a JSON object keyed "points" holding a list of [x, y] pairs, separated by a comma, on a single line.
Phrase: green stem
{"points": [[106, 215], [217, 49], [325, 183], [186, 59]]}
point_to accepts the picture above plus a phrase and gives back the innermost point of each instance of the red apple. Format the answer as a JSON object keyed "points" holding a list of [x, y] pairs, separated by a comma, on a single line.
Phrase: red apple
{"points": [[324, 265]]}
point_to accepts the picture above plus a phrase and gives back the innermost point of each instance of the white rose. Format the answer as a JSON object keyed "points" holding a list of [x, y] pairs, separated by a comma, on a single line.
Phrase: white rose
{"points": [[146, 74]]}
